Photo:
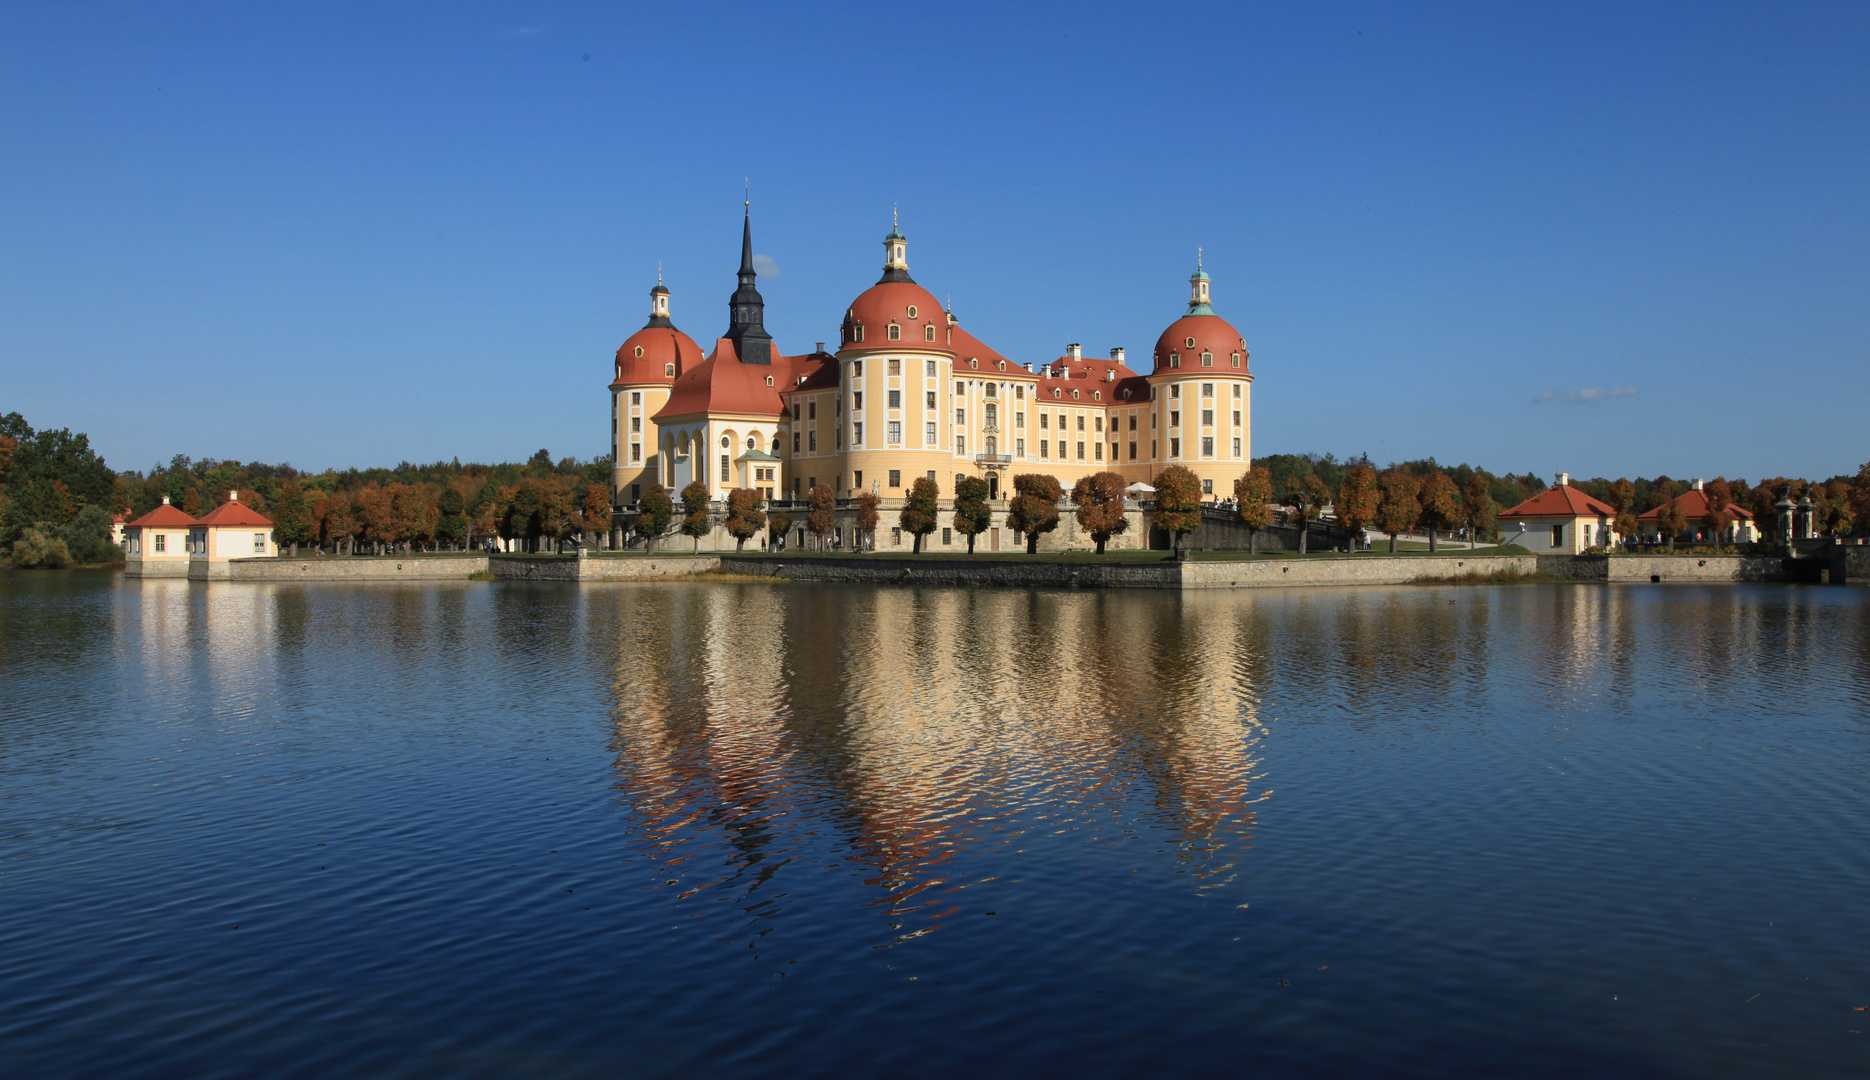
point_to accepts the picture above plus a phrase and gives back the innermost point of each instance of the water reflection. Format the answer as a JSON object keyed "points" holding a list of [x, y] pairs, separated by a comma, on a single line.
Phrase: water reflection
{"points": [[919, 731]]}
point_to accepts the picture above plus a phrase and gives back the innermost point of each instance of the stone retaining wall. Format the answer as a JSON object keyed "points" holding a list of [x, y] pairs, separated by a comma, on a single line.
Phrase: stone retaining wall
{"points": [[883, 570], [354, 568], [1633, 569], [1349, 570], [600, 568]]}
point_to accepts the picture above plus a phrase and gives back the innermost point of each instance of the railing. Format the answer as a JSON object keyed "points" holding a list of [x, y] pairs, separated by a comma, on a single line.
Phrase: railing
{"points": [[994, 459]]}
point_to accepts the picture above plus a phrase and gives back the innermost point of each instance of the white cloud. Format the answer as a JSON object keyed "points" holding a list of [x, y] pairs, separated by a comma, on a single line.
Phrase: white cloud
{"points": [[764, 266], [1584, 397]]}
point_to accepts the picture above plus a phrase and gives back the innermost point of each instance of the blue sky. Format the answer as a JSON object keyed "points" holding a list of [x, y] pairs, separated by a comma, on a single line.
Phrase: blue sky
{"points": [[1616, 240]]}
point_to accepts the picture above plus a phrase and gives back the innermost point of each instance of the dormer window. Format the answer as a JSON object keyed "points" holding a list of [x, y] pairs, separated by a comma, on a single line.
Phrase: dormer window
{"points": [[912, 311], [1207, 359], [895, 332], [1236, 359], [857, 332], [1001, 365], [1055, 392], [769, 382], [1189, 342], [668, 371], [1097, 395], [639, 350], [975, 364], [1126, 395], [1175, 360], [1074, 395]]}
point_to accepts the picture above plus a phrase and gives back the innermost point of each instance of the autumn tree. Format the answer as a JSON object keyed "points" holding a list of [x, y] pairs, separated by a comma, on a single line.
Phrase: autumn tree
{"points": [[1860, 495], [1357, 501], [1719, 497], [821, 513], [867, 516], [1673, 520], [655, 511], [292, 518], [1099, 499], [777, 526], [336, 526], [1253, 503], [451, 524], [695, 521], [1178, 502], [1441, 505], [191, 503], [745, 519], [1034, 508], [917, 517], [1401, 507], [971, 514], [1314, 496], [1842, 517], [1478, 509], [597, 511]]}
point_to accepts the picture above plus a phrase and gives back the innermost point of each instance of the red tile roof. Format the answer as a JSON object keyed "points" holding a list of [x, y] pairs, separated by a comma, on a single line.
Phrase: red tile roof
{"points": [[722, 384], [166, 516], [233, 513], [1695, 505], [1562, 500]]}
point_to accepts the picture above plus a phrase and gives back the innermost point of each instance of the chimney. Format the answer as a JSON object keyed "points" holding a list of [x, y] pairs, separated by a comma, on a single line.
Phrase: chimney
{"points": [[1074, 352], [1116, 356], [1110, 374], [1697, 485], [165, 500], [233, 496], [1564, 479], [821, 346], [1029, 367]]}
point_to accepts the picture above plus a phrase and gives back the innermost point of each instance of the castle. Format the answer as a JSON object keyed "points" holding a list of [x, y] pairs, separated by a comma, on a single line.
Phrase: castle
{"points": [[910, 393]]}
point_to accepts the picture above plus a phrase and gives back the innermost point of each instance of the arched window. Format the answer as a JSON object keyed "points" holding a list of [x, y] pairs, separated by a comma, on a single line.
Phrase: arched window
{"points": [[668, 370], [895, 332], [974, 364], [1074, 395], [1055, 391], [1097, 395], [1236, 359], [1207, 359], [1001, 365], [769, 380], [928, 332]]}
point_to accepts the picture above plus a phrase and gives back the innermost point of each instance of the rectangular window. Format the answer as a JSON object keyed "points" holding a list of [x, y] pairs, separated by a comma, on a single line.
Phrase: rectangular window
{"points": [[857, 400], [1080, 451], [896, 367], [857, 434], [928, 434], [895, 332], [857, 369], [928, 369], [811, 440], [1175, 418], [636, 492], [1175, 448], [1207, 389], [960, 417], [896, 399], [1236, 446], [1044, 449], [1207, 418], [1175, 390], [1152, 449], [259, 543], [162, 542], [1019, 393], [896, 478], [1099, 424], [896, 432], [993, 415], [928, 332], [947, 536], [1097, 451], [1132, 451], [811, 409], [726, 470], [1207, 446], [896, 536], [1019, 420], [1558, 536], [636, 397], [1132, 421], [928, 400], [960, 389], [1236, 387], [636, 424], [857, 479], [1236, 417], [1207, 487], [960, 445], [1019, 447], [636, 450], [1045, 420], [795, 442], [1080, 421]]}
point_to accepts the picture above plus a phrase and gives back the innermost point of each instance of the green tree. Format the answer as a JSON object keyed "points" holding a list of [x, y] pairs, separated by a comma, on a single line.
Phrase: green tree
{"points": [[695, 521], [1253, 502], [917, 517], [821, 515], [1860, 497], [1034, 508], [867, 516], [1314, 496], [1842, 517], [1357, 501], [1178, 502], [971, 514], [745, 519], [292, 518], [39, 546], [87, 536], [1477, 507], [451, 523], [1099, 499], [654, 513], [1401, 507], [1441, 505]]}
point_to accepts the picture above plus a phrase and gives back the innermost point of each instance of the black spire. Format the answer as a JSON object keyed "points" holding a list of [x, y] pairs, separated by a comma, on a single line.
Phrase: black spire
{"points": [[746, 309]]}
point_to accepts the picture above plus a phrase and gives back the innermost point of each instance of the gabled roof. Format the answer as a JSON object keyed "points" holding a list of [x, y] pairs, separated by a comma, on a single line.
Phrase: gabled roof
{"points": [[166, 516], [722, 384], [1694, 505], [756, 455], [1562, 500], [233, 513]]}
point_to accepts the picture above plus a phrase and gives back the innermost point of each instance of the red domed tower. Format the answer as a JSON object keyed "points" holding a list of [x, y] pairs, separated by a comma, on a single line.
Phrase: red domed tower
{"points": [[647, 365], [1203, 391]]}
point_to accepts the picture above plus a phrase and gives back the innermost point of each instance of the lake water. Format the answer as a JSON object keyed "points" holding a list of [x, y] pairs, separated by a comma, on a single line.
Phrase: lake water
{"points": [[504, 829]]}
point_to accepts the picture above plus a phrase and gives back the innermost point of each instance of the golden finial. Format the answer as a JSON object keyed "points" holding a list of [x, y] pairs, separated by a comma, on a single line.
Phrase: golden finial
{"points": [[895, 218], [658, 271], [1197, 258], [748, 200]]}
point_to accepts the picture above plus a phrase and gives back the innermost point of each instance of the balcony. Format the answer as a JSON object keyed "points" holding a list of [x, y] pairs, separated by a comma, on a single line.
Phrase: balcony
{"points": [[994, 459]]}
